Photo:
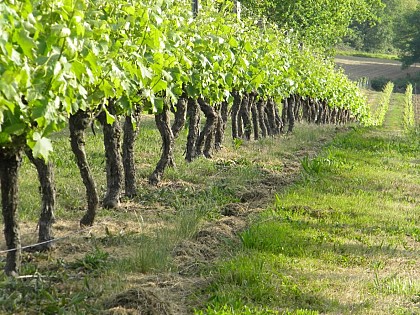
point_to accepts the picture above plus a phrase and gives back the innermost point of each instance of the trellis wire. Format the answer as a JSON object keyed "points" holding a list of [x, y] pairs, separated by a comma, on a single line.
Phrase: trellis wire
{"points": [[50, 241]]}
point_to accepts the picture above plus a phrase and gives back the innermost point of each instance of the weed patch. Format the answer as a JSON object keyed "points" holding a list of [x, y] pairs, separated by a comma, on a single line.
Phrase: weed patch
{"points": [[48, 292], [139, 301]]}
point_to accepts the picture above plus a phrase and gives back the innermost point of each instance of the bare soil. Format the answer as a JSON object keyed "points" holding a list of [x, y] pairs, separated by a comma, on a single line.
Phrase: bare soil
{"points": [[359, 67]]}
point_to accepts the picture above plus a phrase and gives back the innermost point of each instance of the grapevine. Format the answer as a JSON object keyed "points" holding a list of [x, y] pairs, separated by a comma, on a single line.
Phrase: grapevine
{"points": [[409, 117], [68, 62]]}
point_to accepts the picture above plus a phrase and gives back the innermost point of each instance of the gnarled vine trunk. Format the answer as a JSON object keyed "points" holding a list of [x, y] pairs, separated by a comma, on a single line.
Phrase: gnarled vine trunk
{"points": [[315, 110], [163, 124], [262, 117], [48, 198], [326, 114], [334, 114], [279, 123], [113, 159], [298, 108], [255, 120], [10, 161], [244, 114], [180, 112], [272, 115], [77, 125], [131, 131], [237, 100], [305, 110], [222, 118], [206, 139], [193, 112], [291, 113]]}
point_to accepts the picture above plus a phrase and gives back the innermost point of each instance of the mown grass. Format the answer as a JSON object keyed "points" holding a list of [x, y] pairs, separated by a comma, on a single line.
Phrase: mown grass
{"points": [[343, 240], [88, 268], [364, 54]]}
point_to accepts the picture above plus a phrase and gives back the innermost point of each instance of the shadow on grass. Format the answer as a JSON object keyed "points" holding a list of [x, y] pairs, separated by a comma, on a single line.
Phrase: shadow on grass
{"points": [[377, 141], [256, 278], [329, 242]]}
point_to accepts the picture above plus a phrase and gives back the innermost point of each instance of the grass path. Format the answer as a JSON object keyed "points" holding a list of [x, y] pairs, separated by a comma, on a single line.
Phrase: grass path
{"points": [[341, 237], [394, 119], [344, 240]]}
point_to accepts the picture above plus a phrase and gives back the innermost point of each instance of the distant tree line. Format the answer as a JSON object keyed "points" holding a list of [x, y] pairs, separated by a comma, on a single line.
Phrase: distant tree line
{"points": [[384, 35], [379, 26], [318, 23]]}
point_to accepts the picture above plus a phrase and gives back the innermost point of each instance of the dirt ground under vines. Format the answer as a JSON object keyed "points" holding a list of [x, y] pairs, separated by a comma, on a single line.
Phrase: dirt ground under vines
{"points": [[173, 293], [169, 292]]}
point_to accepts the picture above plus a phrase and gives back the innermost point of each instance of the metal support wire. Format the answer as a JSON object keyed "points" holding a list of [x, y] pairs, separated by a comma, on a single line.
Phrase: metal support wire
{"points": [[80, 231]]}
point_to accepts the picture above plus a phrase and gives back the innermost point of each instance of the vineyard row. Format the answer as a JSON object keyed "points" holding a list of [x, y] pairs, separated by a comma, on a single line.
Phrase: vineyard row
{"points": [[69, 62]]}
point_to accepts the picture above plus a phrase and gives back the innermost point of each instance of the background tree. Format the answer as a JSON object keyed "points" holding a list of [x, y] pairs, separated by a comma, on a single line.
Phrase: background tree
{"points": [[408, 39], [320, 23], [381, 35]]}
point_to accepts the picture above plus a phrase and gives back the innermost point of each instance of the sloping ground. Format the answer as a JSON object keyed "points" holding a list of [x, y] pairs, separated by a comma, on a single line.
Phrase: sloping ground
{"points": [[359, 67], [90, 275], [343, 240], [150, 255]]}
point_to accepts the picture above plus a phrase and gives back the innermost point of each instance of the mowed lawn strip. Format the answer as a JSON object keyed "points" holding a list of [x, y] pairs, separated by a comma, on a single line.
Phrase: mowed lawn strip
{"points": [[344, 240]]}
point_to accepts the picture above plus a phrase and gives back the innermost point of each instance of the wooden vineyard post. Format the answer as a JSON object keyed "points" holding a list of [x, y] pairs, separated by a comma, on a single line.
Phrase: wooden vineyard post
{"points": [[237, 9], [195, 7]]}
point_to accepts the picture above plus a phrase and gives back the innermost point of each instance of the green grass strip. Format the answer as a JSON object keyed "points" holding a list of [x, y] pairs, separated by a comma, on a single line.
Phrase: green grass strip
{"points": [[343, 240], [378, 115]]}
